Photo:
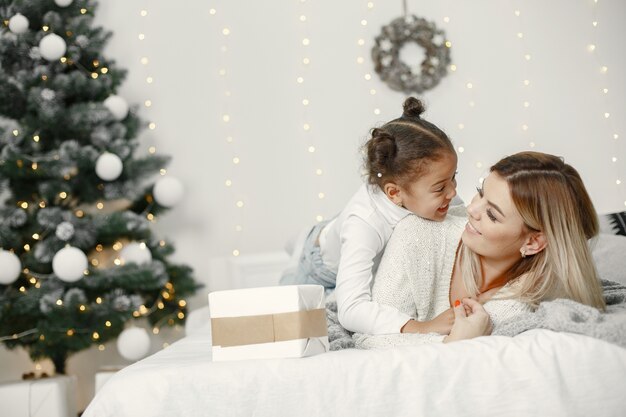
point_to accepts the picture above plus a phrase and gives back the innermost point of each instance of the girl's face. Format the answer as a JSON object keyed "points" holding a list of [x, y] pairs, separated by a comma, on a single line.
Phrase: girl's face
{"points": [[430, 195], [495, 229]]}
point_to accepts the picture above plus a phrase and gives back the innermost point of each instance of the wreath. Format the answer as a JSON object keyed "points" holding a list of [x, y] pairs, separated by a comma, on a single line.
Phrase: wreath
{"points": [[398, 75]]}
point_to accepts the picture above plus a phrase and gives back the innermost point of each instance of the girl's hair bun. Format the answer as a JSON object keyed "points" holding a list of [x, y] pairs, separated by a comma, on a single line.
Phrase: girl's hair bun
{"points": [[381, 149], [398, 151], [413, 108]]}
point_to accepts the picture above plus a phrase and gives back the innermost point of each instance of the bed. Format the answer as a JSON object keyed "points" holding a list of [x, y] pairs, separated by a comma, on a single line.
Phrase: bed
{"points": [[539, 372]]}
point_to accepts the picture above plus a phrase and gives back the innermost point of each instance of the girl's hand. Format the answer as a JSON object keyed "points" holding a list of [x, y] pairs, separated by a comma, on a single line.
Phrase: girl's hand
{"points": [[441, 324], [469, 325]]}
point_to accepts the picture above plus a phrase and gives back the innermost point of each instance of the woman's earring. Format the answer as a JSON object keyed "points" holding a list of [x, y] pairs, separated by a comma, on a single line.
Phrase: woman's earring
{"points": [[399, 204], [523, 252]]}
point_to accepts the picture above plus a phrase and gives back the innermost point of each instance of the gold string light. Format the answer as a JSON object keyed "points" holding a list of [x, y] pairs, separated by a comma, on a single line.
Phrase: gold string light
{"points": [[145, 61], [303, 17], [526, 58], [223, 73], [470, 87], [367, 10], [148, 103], [596, 54]]}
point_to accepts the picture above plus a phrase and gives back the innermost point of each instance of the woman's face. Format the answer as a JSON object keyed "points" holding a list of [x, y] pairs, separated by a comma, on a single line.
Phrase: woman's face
{"points": [[495, 228]]}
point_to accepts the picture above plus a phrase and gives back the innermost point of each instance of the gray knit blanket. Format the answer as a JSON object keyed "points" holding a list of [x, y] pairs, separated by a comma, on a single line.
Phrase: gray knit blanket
{"points": [[559, 315], [338, 336], [564, 315]]}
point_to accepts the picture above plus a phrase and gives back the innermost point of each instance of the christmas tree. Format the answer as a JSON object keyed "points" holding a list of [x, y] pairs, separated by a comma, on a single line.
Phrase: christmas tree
{"points": [[78, 259]]}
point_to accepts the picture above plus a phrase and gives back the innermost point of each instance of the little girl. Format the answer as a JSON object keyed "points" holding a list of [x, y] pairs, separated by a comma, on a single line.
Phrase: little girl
{"points": [[411, 167]]}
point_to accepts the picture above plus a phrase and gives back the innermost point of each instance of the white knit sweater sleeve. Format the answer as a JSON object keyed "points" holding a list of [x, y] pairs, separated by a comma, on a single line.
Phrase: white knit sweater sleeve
{"points": [[392, 285], [394, 282], [502, 311]]}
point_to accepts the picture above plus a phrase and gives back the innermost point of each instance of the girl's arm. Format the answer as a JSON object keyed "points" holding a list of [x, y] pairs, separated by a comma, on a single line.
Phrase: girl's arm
{"points": [[360, 245]]}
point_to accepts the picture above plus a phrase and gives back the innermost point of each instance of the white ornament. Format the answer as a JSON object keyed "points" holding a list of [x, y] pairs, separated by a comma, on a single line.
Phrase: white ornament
{"points": [[109, 166], [69, 264], [82, 41], [64, 231], [136, 252], [133, 343], [10, 267], [168, 191], [63, 3], [117, 106], [18, 23], [52, 47], [48, 94]]}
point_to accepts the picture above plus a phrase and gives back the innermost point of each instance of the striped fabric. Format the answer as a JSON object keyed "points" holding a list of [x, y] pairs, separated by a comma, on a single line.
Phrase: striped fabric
{"points": [[618, 222]]}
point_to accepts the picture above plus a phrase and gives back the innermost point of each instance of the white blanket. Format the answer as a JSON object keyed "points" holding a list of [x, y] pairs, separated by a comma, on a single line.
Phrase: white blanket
{"points": [[536, 373]]}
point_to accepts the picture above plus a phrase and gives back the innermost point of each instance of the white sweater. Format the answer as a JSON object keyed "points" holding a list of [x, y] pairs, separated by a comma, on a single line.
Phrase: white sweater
{"points": [[415, 274], [351, 245]]}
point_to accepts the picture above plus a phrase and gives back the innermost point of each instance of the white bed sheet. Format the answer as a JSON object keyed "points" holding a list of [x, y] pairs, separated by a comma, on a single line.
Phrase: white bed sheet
{"points": [[539, 372]]}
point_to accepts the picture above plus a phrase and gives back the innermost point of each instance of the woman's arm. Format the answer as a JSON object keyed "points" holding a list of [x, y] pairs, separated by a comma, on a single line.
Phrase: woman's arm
{"points": [[470, 323]]}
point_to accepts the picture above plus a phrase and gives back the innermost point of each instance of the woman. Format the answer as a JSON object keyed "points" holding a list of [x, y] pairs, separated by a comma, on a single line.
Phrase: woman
{"points": [[525, 241]]}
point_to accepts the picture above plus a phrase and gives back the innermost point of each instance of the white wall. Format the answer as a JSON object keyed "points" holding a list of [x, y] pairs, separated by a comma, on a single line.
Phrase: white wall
{"points": [[276, 177]]}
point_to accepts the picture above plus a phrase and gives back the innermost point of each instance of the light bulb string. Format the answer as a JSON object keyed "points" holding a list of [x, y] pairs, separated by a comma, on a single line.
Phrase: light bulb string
{"points": [[305, 128], [35, 330], [233, 181], [82, 69], [39, 276], [19, 335], [147, 210], [528, 110], [163, 319], [148, 312], [45, 158], [604, 95], [607, 75]]}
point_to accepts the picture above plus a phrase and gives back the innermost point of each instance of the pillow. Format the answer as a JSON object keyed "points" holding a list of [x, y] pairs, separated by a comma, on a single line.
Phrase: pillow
{"points": [[613, 223], [198, 321], [609, 254]]}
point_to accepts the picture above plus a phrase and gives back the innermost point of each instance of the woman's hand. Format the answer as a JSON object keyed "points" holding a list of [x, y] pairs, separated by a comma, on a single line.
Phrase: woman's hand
{"points": [[470, 320], [440, 324]]}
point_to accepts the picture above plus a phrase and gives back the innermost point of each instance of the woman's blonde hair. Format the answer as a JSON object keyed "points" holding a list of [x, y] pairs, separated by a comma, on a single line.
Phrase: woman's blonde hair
{"points": [[551, 198]]}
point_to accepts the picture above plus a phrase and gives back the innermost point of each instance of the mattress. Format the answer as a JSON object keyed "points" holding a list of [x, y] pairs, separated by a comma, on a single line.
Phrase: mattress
{"points": [[538, 372]]}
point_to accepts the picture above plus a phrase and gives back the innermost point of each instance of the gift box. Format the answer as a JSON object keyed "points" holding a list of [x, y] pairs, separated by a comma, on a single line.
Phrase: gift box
{"points": [[44, 397], [270, 322]]}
